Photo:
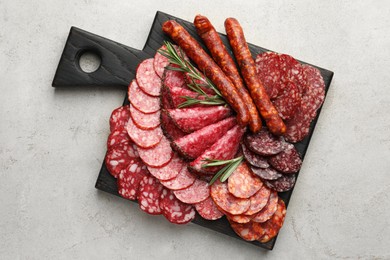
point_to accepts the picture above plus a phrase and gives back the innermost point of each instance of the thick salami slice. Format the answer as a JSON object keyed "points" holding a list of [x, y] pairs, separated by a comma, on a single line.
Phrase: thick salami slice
{"points": [[157, 156], [208, 210], [169, 171], [160, 62], [314, 95], [129, 179], [242, 183], [193, 145], [268, 70], [267, 174], [141, 101], [287, 161], [144, 138], [258, 201], [147, 78], [166, 102], [226, 201], [272, 226], [264, 143], [119, 117], [118, 136], [192, 119], [253, 158], [174, 210], [173, 78], [183, 180], [284, 183], [171, 131], [224, 149], [118, 158], [145, 121], [197, 192], [176, 96], [298, 127], [149, 195], [250, 231], [288, 101], [268, 210]]}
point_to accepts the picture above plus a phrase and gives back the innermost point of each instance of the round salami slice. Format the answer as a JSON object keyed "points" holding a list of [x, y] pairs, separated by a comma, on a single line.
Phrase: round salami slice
{"points": [[174, 210], [197, 192], [119, 117], [314, 95], [267, 174], [242, 183], [208, 210], [287, 161], [250, 231], [158, 156], [141, 101], [268, 210], [173, 78], [292, 70], [118, 158], [258, 201], [272, 226], [144, 138], [171, 131], [288, 101], [253, 158], [147, 79], [160, 62], [239, 218], [264, 143], [118, 136], [183, 180], [284, 183], [145, 121], [149, 195], [169, 171], [268, 71], [298, 127], [226, 201], [129, 179]]}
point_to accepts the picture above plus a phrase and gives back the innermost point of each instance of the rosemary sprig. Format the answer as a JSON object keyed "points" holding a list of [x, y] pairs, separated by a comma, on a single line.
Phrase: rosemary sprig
{"points": [[224, 173]]}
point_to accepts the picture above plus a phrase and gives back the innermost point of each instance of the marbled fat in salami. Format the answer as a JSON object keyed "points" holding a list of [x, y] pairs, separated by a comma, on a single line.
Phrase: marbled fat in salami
{"points": [[287, 161], [144, 138], [158, 156], [141, 101], [208, 210], [197, 192], [147, 78], [264, 143], [149, 195], [129, 179], [118, 136], [242, 183], [174, 210], [183, 180], [118, 158], [226, 201], [282, 184], [267, 174], [145, 121], [119, 117], [169, 171]]}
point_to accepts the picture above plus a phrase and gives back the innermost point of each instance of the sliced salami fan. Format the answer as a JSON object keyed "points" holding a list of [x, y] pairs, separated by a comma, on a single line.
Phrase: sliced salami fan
{"points": [[208, 210], [160, 62], [174, 210], [267, 174], [242, 183], [287, 161], [118, 136], [284, 183], [147, 78], [169, 171], [157, 156], [129, 179], [183, 180], [173, 78], [197, 192], [272, 226], [253, 158], [226, 201], [264, 143], [144, 138], [258, 201], [141, 101], [269, 209], [192, 119], [288, 101], [250, 231], [118, 158], [149, 195], [193, 145], [119, 117], [145, 121], [171, 131]]}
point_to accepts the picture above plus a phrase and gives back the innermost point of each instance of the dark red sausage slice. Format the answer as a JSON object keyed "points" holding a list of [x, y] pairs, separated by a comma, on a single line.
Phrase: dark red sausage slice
{"points": [[118, 158], [282, 184], [287, 161], [171, 131], [288, 101], [119, 117], [264, 143], [118, 136], [129, 179], [149, 195], [253, 158], [267, 174], [174, 210]]}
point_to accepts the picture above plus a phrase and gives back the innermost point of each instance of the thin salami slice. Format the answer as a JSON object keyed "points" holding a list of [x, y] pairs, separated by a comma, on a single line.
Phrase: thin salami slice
{"points": [[129, 179], [174, 210], [149, 195], [298, 127], [272, 226], [284, 183], [288, 101], [119, 117], [250, 231], [264, 143], [176, 96], [118, 158], [193, 145], [197, 192], [183, 180], [192, 119], [147, 78], [145, 121], [268, 210], [141, 101], [226, 201], [287, 161], [268, 70], [118, 136], [242, 183], [258, 201], [171, 131], [253, 158], [267, 174], [173, 78], [169, 171], [208, 210], [144, 138], [292, 70], [158, 156], [160, 62], [166, 102], [315, 90]]}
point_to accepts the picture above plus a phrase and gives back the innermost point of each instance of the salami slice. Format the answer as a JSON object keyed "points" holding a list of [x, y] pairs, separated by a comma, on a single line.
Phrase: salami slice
{"points": [[201, 83], [315, 90], [192, 119], [287, 161], [141, 101], [144, 138], [288, 101], [264, 143], [268, 70], [171, 131], [174, 210], [145, 121], [242, 183], [268, 210], [267, 174], [118, 158], [284, 183], [258, 201], [250, 231], [298, 127], [197, 192], [166, 102], [157, 156], [173, 78], [193, 145], [119, 117], [292, 70], [183, 180], [149, 195], [160, 62], [253, 158], [147, 78], [129, 179], [239, 218], [169, 171], [226, 201], [176, 96], [208, 210], [272, 226], [118, 136]]}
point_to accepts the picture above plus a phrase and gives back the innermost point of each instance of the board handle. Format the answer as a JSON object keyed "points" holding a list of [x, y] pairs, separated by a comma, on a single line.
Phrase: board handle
{"points": [[117, 67]]}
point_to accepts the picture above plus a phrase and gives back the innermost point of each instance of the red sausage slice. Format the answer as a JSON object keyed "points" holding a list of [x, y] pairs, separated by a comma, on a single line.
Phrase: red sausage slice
{"points": [[258, 201], [119, 117], [242, 183], [197, 192], [174, 210], [149, 195], [141, 101], [208, 210], [145, 121], [144, 138], [183, 180], [158, 156], [147, 78], [169, 171], [268, 210], [129, 179], [226, 201]]}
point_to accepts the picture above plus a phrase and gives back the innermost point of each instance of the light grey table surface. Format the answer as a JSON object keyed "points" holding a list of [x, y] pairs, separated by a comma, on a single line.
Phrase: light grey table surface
{"points": [[52, 141]]}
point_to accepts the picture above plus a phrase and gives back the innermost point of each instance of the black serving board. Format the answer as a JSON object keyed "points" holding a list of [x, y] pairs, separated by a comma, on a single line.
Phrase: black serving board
{"points": [[118, 67]]}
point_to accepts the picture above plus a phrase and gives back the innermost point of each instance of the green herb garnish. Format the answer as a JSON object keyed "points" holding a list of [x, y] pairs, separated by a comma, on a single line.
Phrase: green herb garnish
{"points": [[224, 173]]}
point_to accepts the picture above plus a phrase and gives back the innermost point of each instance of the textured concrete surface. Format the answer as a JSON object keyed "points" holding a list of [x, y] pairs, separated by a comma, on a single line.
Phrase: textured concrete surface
{"points": [[52, 141]]}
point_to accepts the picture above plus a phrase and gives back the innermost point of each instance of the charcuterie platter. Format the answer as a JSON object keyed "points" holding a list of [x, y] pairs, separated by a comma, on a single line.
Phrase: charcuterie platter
{"points": [[190, 136]]}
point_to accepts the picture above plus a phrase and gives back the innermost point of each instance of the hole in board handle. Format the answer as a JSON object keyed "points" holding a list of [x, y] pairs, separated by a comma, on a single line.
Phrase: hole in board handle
{"points": [[89, 61]]}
